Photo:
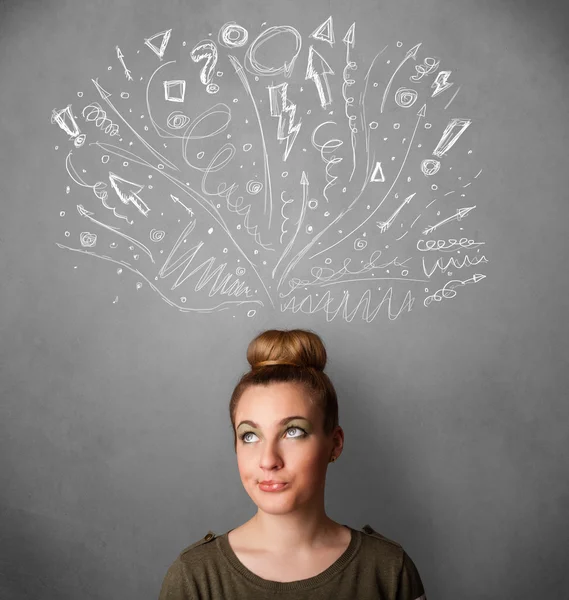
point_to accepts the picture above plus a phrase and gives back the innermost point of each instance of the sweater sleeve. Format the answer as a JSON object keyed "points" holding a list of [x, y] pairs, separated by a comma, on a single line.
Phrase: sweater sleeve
{"points": [[175, 584], [410, 586]]}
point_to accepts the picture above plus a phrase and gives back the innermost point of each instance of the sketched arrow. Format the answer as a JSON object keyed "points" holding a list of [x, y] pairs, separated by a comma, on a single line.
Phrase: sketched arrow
{"points": [[410, 54], [120, 56], [131, 196], [385, 225], [188, 209], [460, 214], [318, 74], [349, 40]]}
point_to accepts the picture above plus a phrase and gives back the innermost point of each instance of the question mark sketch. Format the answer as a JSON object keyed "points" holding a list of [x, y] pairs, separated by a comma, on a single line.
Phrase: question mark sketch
{"points": [[208, 50]]}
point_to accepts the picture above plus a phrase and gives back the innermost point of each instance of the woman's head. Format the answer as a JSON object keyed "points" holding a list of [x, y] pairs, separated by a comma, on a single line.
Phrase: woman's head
{"points": [[268, 448]]}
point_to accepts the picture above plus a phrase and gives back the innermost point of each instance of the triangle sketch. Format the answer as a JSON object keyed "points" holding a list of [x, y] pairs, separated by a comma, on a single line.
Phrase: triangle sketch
{"points": [[325, 32], [377, 171], [159, 51]]}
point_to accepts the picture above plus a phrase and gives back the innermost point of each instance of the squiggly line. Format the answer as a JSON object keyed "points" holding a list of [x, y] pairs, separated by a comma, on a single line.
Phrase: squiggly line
{"points": [[325, 302], [221, 306], [284, 217], [326, 276], [334, 160]]}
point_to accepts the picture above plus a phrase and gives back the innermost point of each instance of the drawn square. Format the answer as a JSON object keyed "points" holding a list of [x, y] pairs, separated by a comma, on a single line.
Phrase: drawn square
{"points": [[175, 90]]}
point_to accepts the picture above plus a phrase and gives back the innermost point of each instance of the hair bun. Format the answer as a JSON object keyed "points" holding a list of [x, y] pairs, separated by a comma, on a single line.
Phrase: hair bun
{"points": [[297, 347]]}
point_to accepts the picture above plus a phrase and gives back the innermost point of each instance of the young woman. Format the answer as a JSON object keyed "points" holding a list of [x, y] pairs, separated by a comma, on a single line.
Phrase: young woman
{"points": [[284, 415]]}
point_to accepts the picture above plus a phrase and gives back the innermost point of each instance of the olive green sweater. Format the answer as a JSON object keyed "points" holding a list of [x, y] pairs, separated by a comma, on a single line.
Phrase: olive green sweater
{"points": [[371, 568]]}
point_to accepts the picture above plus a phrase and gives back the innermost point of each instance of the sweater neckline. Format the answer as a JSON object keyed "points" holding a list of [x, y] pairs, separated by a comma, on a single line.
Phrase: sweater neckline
{"points": [[302, 584]]}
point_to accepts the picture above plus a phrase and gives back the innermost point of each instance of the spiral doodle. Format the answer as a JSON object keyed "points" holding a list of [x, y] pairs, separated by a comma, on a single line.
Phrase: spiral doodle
{"points": [[97, 114], [232, 35], [240, 271], [430, 166], [360, 244], [157, 235], [88, 240], [405, 97], [253, 187], [177, 120]]}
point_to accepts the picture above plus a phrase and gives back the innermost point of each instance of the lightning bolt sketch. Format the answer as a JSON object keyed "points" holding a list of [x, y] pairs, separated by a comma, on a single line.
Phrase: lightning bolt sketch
{"points": [[285, 110]]}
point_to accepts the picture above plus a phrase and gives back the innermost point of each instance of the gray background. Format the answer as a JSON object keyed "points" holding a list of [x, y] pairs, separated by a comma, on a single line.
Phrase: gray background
{"points": [[115, 444]]}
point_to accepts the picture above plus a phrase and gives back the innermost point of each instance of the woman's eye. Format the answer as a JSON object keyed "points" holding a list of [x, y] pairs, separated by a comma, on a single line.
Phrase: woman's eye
{"points": [[303, 433]]}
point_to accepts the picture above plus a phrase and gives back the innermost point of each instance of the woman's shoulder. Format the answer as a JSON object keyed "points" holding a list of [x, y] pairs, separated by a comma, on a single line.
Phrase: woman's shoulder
{"points": [[188, 551], [367, 529]]}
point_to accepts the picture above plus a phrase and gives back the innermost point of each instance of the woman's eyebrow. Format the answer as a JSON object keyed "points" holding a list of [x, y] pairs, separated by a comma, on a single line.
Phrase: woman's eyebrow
{"points": [[281, 422]]}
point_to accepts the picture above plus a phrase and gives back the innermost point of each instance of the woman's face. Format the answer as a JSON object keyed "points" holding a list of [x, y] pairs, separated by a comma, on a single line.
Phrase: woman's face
{"points": [[268, 448]]}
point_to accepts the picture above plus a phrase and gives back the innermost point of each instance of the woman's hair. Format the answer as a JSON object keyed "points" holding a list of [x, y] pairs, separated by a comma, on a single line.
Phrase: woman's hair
{"points": [[295, 355]]}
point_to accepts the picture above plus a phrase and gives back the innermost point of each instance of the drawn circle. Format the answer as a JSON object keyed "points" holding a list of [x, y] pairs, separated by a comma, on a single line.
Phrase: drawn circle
{"points": [[62, 213], [251, 313], [434, 186], [405, 97], [212, 88], [125, 164], [160, 166], [312, 203], [428, 125], [232, 35], [235, 100], [430, 166], [328, 261], [105, 159], [375, 84], [255, 67], [79, 140], [247, 147], [177, 119], [374, 125], [405, 272], [67, 234], [396, 125], [88, 240], [254, 187], [183, 299], [80, 94], [157, 235], [284, 174], [399, 44], [239, 271], [219, 74], [360, 244], [125, 95]]}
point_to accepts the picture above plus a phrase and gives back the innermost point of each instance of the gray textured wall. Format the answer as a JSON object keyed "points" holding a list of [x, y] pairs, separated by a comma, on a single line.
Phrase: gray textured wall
{"points": [[115, 444]]}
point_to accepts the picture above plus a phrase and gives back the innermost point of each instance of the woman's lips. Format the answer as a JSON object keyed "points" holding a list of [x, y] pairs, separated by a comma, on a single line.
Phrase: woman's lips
{"points": [[272, 487]]}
